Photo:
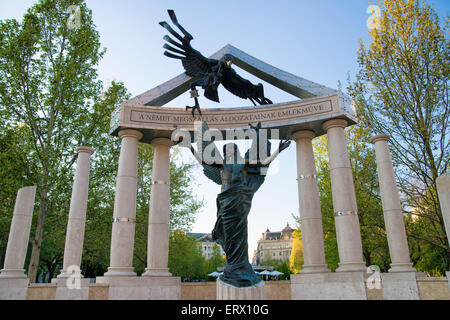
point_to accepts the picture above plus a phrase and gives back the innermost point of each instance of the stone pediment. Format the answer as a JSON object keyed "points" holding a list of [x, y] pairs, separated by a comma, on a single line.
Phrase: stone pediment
{"points": [[316, 104], [283, 80]]}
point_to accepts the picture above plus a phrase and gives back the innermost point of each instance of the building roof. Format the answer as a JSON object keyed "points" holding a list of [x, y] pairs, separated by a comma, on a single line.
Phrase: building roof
{"points": [[276, 235], [195, 235], [201, 237]]}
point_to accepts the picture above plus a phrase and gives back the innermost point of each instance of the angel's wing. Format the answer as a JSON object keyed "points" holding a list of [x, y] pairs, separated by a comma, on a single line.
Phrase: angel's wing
{"points": [[211, 172], [243, 88], [195, 64]]}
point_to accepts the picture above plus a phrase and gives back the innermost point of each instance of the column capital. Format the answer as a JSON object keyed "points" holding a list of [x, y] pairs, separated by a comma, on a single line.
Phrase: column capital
{"points": [[84, 149], [162, 142], [130, 133], [380, 137], [309, 134], [340, 123]]}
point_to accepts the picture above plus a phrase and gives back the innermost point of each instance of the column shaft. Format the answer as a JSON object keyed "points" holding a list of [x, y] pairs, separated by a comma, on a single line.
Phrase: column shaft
{"points": [[393, 217], [158, 225], [19, 234], [344, 200], [77, 213], [124, 216], [443, 189], [309, 205]]}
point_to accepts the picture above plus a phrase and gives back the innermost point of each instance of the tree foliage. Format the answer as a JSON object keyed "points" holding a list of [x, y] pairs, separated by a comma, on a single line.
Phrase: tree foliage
{"points": [[402, 89], [51, 101], [185, 257], [296, 259]]}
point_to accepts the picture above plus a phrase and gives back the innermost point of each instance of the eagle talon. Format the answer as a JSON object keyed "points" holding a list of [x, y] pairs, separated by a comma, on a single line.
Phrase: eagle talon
{"points": [[197, 106], [193, 110]]}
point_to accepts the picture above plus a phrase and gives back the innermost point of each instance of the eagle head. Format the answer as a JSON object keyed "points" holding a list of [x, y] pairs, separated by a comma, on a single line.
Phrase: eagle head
{"points": [[227, 60]]}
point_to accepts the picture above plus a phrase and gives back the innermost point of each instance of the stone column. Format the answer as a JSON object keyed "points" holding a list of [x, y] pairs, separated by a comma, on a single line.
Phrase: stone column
{"points": [[124, 216], [19, 234], [158, 225], [443, 189], [344, 200], [309, 204], [393, 217], [77, 213]]}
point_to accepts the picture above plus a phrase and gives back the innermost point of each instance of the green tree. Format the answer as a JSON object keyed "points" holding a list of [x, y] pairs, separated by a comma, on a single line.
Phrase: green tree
{"points": [[14, 174], [285, 269], [185, 257], [51, 101], [402, 89], [48, 81], [217, 260]]}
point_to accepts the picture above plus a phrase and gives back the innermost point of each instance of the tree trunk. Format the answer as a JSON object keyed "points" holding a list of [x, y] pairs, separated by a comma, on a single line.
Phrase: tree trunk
{"points": [[37, 240]]}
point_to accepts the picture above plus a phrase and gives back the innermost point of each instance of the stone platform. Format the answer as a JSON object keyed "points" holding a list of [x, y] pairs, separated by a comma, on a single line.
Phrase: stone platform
{"points": [[13, 288], [328, 286], [68, 288], [228, 292], [142, 288]]}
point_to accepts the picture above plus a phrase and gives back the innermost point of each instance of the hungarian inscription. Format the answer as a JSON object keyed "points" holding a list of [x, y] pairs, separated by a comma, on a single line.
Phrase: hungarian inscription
{"points": [[233, 118]]}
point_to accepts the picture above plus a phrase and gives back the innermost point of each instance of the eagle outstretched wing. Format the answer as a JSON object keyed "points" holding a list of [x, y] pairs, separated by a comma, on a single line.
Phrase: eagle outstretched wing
{"points": [[243, 88], [195, 64], [211, 172]]}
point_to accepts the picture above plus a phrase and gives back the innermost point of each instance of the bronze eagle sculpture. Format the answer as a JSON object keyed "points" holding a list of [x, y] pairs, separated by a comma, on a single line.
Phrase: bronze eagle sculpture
{"points": [[208, 73]]}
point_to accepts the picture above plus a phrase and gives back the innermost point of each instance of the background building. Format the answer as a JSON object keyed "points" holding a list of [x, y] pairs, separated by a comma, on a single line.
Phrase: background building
{"points": [[274, 246], [206, 242]]}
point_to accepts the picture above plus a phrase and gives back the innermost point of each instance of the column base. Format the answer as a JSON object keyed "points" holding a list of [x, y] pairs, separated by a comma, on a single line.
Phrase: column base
{"points": [[402, 267], [13, 288], [142, 288], [13, 274], [400, 286], [352, 267], [71, 288], [328, 286], [315, 268], [226, 291], [120, 272], [447, 274], [156, 272]]}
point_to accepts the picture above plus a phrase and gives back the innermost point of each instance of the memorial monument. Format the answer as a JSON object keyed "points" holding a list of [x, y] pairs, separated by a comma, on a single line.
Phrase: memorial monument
{"points": [[142, 119]]}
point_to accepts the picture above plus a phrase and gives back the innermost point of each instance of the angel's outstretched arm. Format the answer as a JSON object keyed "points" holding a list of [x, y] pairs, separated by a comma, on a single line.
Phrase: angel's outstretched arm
{"points": [[283, 145], [201, 160]]}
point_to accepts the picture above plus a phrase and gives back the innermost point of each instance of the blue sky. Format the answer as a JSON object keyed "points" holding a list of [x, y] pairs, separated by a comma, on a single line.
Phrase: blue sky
{"points": [[316, 40]]}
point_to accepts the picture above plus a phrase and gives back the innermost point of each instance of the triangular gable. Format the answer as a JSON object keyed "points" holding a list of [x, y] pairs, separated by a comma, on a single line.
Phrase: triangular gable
{"points": [[283, 80]]}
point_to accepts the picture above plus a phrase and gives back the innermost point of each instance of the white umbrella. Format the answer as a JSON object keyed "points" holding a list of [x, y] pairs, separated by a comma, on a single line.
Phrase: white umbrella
{"points": [[214, 274], [265, 273], [276, 273]]}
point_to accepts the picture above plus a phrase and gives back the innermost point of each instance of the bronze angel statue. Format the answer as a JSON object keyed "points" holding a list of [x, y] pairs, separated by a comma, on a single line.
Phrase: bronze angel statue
{"points": [[239, 178], [208, 73]]}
